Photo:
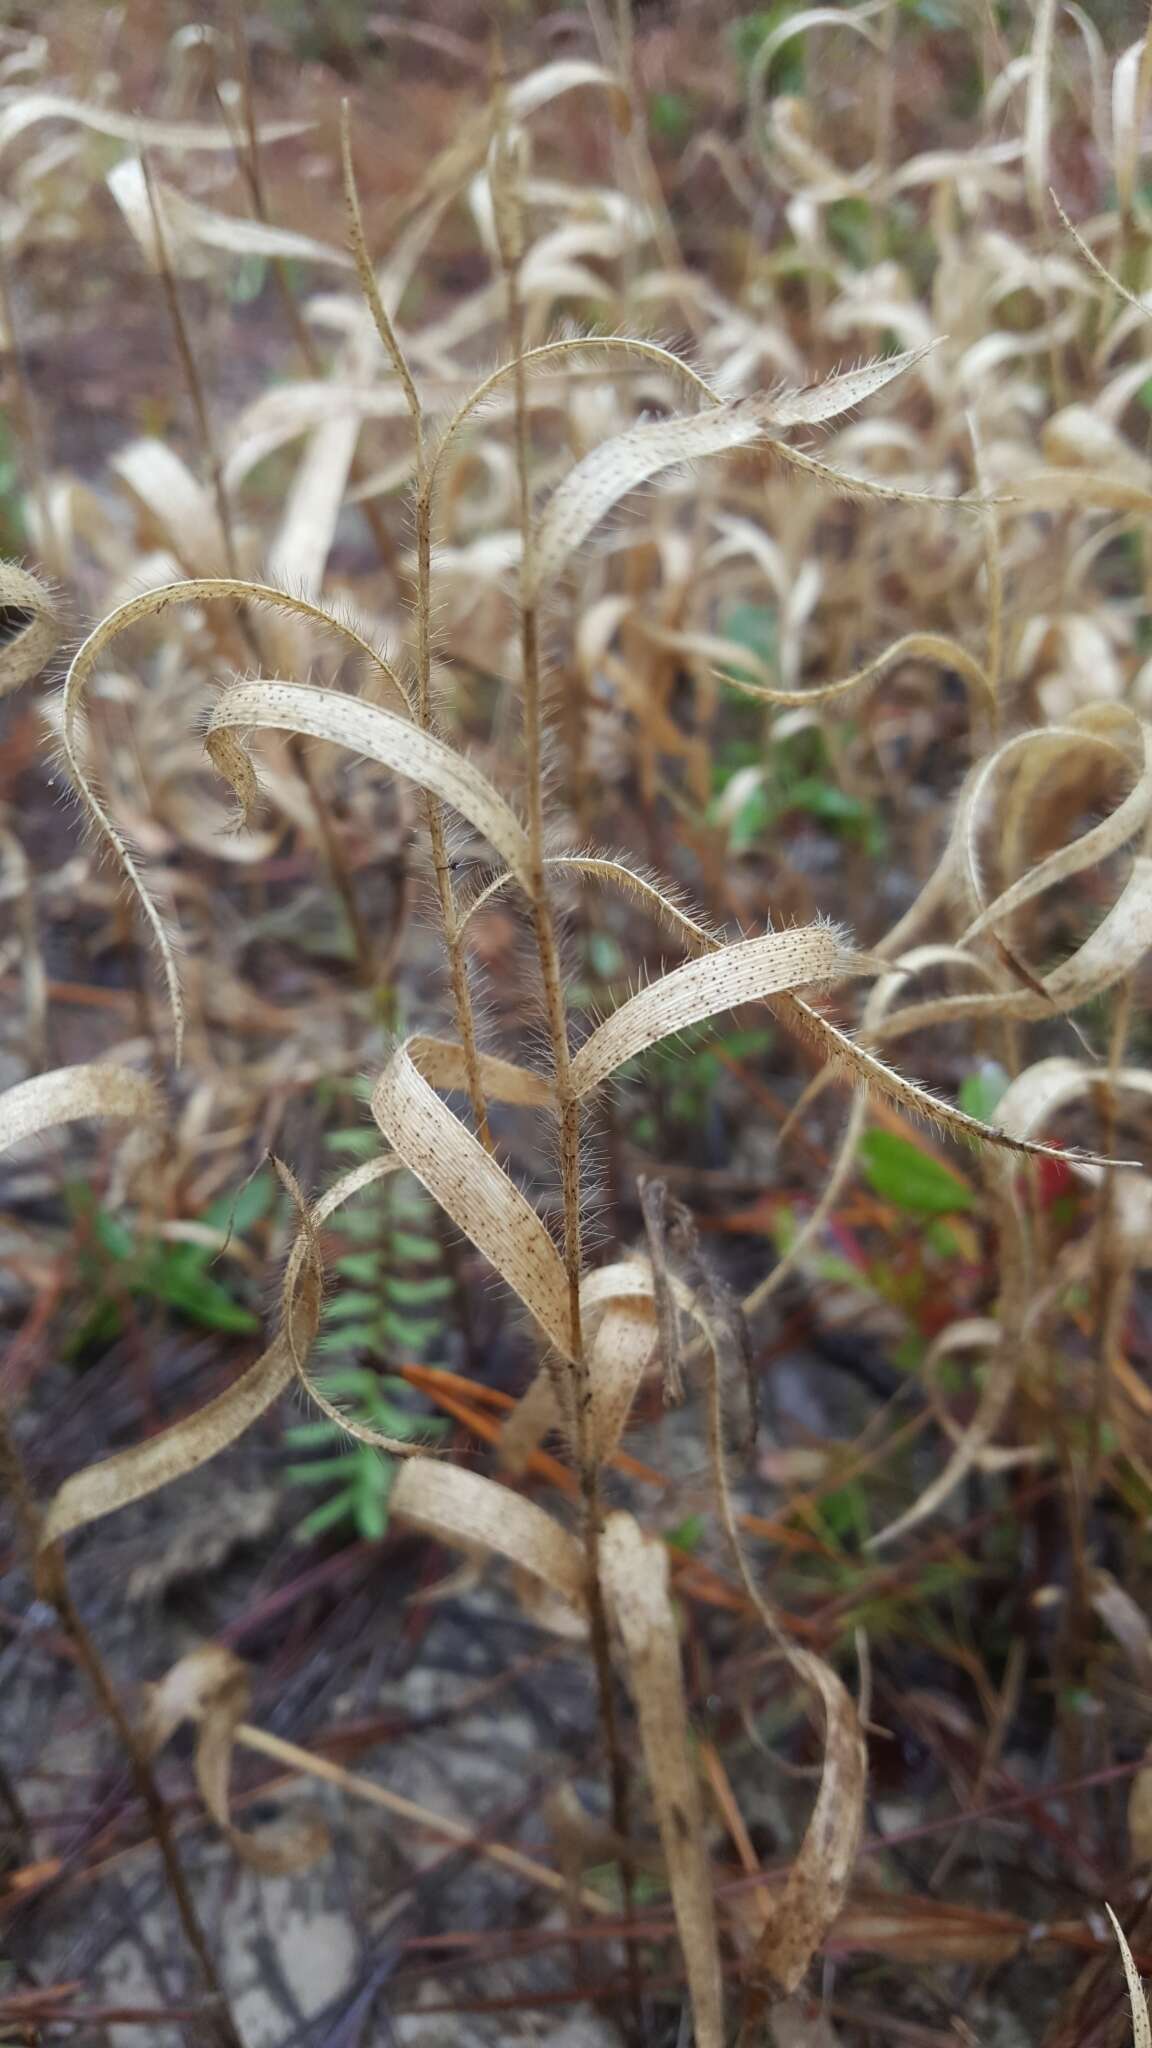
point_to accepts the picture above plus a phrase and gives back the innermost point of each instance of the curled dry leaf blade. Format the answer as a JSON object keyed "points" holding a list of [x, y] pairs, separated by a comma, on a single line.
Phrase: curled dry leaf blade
{"points": [[473, 1190], [1130, 815], [369, 730], [817, 1883], [300, 1319], [1108, 955], [1068, 489], [210, 1688], [24, 111], [443, 1065], [622, 1348], [610, 472], [634, 1572], [807, 1237], [179, 505], [300, 553], [618, 1308], [856, 1062], [746, 972], [1141, 2026], [1125, 1619], [568, 74], [837, 395], [1129, 94], [845, 485], [857, 19], [872, 1072], [740, 669], [1038, 115], [187, 223], [151, 604], [132, 1474], [30, 627], [17, 886], [659, 899], [66, 1094], [1028, 755], [483, 1517], [844, 1054], [921, 1930], [557, 355]]}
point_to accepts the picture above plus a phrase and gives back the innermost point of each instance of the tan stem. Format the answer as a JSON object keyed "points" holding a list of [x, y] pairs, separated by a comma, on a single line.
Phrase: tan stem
{"points": [[507, 210], [449, 913]]}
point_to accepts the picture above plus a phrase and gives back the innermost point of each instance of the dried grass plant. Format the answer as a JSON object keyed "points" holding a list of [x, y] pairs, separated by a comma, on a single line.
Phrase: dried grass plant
{"points": [[575, 522]]}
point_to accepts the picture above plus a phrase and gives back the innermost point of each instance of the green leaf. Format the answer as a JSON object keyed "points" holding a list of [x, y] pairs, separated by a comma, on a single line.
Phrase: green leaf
{"points": [[248, 1206], [349, 1337], [900, 1173], [341, 1508], [303, 1435], [317, 1470], [824, 800], [755, 627], [412, 1332], [351, 1301], [416, 1293], [604, 955], [670, 116], [196, 1295], [687, 1535], [113, 1237], [247, 280], [98, 1329], [941, 1240], [404, 1423], [363, 1266], [844, 1512], [741, 1045], [749, 824], [355, 1379], [357, 1144], [411, 1250], [751, 30], [850, 227], [980, 1092], [371, 1513], [839, 1271]]}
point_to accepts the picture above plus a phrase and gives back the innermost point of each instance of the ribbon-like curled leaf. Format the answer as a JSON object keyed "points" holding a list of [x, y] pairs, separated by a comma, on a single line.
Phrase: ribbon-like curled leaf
{"points": [[473, 1190], [210, 1688], [775, 963], [147, 605], [369, 730], [634, 1570], [30, 629], [608, 473], [479, 1514], [66, 1094], [130, 1475]]}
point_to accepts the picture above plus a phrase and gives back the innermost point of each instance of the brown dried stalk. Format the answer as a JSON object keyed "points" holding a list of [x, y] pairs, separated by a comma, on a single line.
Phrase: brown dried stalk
{"points": [[451, 922], [507, 214]]}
